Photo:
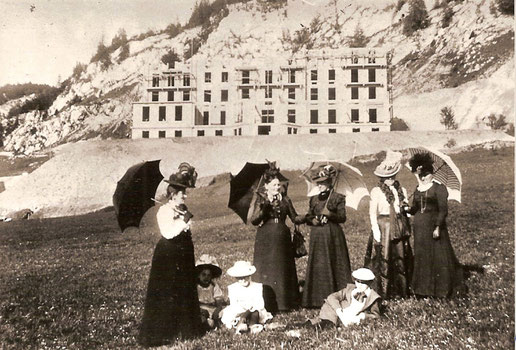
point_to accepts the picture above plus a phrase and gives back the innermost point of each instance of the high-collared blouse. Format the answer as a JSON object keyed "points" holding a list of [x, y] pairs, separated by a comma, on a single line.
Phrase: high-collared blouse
{"points": [[378, 205]]}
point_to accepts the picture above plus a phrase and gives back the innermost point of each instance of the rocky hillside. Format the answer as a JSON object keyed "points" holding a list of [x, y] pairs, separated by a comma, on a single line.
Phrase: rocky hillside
{"points": [[463, 59]]}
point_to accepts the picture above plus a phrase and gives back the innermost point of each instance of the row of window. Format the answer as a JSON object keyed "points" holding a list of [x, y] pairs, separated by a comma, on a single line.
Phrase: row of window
{"points": [[162, 114], [246, 77], [267, 116], [179, 133], [224, 94], [262, 130]]}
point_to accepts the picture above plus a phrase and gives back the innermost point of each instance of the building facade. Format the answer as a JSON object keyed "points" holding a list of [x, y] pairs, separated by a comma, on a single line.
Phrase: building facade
{"points": [[316, 92]]}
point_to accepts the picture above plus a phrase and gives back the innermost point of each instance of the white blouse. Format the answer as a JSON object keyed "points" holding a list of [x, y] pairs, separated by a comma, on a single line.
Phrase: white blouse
{"points": [[378, 205], [169, 223]]}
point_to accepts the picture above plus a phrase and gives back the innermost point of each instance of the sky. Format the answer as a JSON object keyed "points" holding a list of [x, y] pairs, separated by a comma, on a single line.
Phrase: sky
{"points": [[41, 41]]}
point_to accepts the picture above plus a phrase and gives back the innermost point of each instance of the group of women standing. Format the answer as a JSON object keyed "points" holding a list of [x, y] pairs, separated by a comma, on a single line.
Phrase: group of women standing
{"points": [[433, 270]]}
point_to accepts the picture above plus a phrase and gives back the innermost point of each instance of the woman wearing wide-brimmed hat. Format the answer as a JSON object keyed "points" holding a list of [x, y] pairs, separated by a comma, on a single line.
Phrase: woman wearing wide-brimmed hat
{"points": [[328, 268], [172, 306], [437, 271], [273, 252], [389, 254]]}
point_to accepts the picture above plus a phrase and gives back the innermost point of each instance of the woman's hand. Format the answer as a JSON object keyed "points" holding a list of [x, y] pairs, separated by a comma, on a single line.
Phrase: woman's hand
{"points": [[377, 235], [323, 219], [436, 234]]}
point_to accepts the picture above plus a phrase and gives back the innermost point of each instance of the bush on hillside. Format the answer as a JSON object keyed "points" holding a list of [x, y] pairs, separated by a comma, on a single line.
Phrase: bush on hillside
{"points": [[510, 129], [124, 52], [173, 30], [448, 118], [416, 19], [506, 6], [447, 16], [358, 39], [400, 4], [398, 124], [145, 35]]}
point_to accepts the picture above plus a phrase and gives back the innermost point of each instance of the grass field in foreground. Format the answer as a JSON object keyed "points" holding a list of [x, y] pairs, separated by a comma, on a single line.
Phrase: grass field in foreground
{"points": [[77, 282]]}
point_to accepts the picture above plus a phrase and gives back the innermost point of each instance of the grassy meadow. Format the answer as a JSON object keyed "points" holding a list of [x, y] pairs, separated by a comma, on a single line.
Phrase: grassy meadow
{"points": [[79, 283]]}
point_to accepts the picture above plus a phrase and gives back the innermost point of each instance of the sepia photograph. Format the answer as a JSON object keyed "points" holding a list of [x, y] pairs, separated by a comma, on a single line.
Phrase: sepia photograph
{"points": [[257, 174]]}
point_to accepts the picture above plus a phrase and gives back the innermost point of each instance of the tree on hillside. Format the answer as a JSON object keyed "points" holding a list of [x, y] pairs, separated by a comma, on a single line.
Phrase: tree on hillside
{"points": [[416, 19], [448, 118], [200, 14], [103, 56], [170, 58], [119, 39], [447, 16], [496, 122], [358, 39], [506, 6]]}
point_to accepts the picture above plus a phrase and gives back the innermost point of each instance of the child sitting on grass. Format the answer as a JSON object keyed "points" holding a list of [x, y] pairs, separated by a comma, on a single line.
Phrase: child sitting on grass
{"points": [[246, 310], [211, 297], [350, 305]]}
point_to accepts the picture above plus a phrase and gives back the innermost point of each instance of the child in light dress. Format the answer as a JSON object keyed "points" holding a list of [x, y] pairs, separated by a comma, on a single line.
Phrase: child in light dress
{"points": [[246, 310], [211, 297], [351, 305]]}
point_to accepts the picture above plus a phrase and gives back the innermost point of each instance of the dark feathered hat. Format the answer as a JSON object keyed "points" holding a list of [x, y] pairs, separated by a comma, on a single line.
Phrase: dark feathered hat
{"points": [[272, 173], [184, 178], [421, 164], [325, 173]]}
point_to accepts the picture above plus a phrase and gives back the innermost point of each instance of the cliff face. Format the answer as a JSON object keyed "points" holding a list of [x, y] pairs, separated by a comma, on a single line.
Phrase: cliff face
{"points": [[468, 65]]}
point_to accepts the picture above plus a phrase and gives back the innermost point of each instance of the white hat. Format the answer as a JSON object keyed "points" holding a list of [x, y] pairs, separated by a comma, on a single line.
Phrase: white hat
{"points": [[390, 166], [241, 269], [208, 261], [363, 274]]}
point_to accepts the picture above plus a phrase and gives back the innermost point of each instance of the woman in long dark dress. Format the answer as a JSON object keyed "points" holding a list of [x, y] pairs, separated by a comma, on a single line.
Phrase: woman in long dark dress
{"points": [[172, 305], [273, 252], [328, 268], [388, 253], [437, 271]]}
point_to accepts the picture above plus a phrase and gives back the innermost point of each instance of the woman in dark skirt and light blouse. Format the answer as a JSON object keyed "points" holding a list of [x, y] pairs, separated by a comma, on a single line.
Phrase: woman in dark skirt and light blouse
{"points": [[273, 251], [172, 306], [328, 268]]}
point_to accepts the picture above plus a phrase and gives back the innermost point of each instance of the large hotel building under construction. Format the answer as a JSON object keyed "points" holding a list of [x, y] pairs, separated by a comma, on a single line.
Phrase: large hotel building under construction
{"points": [[313, 92]]}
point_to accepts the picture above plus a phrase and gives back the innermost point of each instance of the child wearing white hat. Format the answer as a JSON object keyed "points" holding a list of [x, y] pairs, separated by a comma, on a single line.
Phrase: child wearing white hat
{"points": [[352, 304], [246, 310]]}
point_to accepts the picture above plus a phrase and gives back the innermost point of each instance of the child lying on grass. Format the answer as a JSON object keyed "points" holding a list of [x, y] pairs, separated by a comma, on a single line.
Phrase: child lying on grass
{"points": [[350, 305]]}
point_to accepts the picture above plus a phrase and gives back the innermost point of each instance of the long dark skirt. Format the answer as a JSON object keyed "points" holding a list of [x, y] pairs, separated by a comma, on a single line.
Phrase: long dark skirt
{"points": [[391, 262], [437, 271], [276, 266], [328, 268], [172, 305]]}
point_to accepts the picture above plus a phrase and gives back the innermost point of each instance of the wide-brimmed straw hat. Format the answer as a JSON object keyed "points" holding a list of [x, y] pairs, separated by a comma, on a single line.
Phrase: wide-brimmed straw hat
{"points": [[241, 269], [390, 166], [363, 274], [208, 261]]}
